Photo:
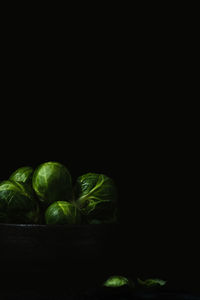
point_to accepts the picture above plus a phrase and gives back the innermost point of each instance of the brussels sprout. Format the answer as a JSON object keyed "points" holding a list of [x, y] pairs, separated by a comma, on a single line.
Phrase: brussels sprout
{"points": [[116, 281], [52, 182], [23, 174], [17, 205], [96, 197], [62, 212]]}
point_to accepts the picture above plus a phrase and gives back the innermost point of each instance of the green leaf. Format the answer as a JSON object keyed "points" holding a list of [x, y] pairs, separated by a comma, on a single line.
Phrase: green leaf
{"points": [[151, 282], [118, 281]]}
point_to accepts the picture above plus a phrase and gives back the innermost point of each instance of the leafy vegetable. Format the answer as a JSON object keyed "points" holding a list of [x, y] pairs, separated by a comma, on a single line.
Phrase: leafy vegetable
{"points": [[96, 197], [62, 212], [151, 282], [23, 174], [119, 281], [52, 182], [116, 281], [17, 204], [46, 195]]}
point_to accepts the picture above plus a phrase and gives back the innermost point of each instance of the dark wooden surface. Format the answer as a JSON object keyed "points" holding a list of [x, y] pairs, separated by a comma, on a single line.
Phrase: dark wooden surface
{"points": [[83, 256], [36, 294], [76, 256]]}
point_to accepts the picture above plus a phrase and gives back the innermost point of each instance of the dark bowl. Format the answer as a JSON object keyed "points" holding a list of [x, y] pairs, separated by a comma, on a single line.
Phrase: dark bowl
{"points": [[69, 256]]}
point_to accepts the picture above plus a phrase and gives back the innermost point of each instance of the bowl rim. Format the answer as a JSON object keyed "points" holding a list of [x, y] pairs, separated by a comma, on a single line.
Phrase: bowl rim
{"points": [[30, 225]]}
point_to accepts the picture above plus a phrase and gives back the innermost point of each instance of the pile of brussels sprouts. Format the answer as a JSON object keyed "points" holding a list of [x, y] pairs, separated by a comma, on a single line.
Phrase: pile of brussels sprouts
{"points": [[46, 195]]}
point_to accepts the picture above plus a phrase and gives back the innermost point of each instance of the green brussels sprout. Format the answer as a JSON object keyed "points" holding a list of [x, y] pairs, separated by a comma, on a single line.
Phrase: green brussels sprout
{"points": [[52, 182], [62, 212], [17, 205], [96, 197], [116, 281], [23, 174]]}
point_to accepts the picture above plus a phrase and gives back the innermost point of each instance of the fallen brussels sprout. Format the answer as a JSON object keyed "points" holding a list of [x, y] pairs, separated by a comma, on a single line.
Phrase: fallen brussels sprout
{"points": [[116, 281], [139, 284], [62, 212]]}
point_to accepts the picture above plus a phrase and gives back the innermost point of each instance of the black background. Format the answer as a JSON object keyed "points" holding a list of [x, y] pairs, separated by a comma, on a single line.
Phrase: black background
{"points": [[140, 144], [108, 106]]}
